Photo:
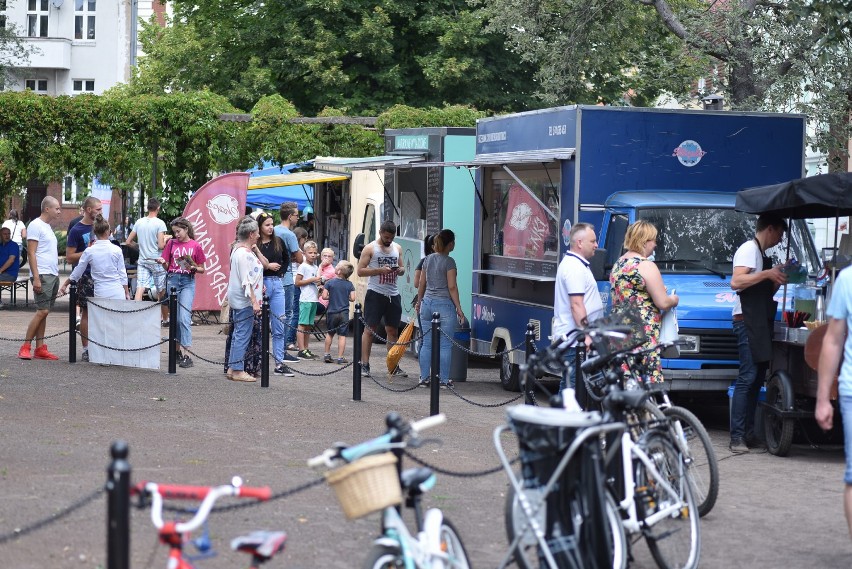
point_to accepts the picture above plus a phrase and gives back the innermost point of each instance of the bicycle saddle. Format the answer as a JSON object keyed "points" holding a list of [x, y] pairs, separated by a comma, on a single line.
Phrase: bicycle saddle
{"points": [[260, 544], [414, 477]]}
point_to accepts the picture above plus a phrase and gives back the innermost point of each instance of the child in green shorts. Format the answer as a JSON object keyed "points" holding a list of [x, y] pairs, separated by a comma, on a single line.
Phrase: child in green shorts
{"points": [[307, 277]]}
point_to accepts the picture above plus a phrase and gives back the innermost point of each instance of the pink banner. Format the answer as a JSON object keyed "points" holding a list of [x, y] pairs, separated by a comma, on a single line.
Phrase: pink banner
{"points": [[214, 211], [525, 229]]}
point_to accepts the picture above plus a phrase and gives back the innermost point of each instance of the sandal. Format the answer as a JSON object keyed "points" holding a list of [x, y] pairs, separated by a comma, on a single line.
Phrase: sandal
{"points": [[164, 323]]}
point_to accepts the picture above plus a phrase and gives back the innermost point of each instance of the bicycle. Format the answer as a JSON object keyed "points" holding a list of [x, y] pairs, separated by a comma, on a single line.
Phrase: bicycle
{"points": [[261, 545], [690, 434], [645, 479], [369, 478]]}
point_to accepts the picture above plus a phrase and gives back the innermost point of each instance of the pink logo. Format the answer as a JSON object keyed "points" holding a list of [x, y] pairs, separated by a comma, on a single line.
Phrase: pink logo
{"points": [[689, 153], [223, 209]]}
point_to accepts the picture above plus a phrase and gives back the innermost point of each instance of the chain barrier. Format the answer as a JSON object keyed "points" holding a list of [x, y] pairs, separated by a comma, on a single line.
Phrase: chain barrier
{"points": [[249, 317], [55, 517], [403, 390], [104, 346], [378, 336], [203, 359], [149, 307], [31, 339], [332, 372], [243, 505], [446, 472], [452, 389], [470, 352]]}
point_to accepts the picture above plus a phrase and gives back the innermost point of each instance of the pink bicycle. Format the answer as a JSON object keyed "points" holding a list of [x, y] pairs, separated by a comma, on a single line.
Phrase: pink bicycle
{"points": [[261, 545]]}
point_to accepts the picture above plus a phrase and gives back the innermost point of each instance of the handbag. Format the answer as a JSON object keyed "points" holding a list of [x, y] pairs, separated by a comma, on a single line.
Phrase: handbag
{"points": [[669, 333]]}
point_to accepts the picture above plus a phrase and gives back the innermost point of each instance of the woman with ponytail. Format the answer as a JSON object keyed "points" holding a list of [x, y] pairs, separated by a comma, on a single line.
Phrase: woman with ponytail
{"points": [[107, 263]]}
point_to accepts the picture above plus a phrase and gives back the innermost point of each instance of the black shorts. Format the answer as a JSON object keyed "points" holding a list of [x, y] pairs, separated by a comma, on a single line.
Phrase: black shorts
{"points": [[378, 305], [338, 322], [85, 289]]}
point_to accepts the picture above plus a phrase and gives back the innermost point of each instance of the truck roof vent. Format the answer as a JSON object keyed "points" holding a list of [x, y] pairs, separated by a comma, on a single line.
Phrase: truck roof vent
{"points": [[537, 327], [717, 284]]}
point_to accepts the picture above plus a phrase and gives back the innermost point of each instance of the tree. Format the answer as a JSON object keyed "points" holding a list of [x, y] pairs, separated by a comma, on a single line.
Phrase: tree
{"points": [[12, 50], [361, 56]]}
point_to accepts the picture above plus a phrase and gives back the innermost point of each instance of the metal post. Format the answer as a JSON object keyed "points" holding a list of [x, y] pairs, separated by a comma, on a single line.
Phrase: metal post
{"points": [[436, 364], [264, 342], [529, 384], [580, 392], [357, 330], [118, 507], [173, 339], [72, 323]]}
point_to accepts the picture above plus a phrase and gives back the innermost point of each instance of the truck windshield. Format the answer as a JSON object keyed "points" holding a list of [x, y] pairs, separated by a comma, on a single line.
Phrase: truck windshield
{"points": [[694, 238]]}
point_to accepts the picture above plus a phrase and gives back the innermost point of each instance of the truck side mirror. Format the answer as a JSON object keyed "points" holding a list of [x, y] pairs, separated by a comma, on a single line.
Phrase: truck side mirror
{"points": [[596, 264], [358, 248]]}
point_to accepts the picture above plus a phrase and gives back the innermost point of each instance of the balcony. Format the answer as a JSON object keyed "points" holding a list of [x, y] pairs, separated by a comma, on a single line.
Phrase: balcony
{"points": [[47, 53]]}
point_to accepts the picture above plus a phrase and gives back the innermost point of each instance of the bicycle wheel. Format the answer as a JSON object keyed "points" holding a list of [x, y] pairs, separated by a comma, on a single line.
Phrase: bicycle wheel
{"points": [[384, 557], [675, 540], [526, 554], [703, 468], [452, 545]]}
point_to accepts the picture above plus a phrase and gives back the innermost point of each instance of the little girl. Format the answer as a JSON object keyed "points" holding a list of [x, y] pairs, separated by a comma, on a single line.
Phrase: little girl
{"points": [[327, 271], [183, 259]]}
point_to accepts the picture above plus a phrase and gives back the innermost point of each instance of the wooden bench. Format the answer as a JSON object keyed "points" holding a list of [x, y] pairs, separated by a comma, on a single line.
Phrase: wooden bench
{"points": [[13, 286]]}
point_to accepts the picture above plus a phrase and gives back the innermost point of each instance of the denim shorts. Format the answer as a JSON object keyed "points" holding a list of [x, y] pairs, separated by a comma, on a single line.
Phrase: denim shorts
{"points": [[846, 413]]}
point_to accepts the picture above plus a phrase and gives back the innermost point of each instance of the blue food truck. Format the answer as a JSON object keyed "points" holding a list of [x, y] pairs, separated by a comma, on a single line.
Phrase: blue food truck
{"points": [[542, 171]]}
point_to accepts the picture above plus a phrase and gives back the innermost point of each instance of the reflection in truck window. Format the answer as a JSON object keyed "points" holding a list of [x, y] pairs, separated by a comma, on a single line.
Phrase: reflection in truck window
{"points": [[524, 224], [369, 229], [709, 237], [616, 231]]}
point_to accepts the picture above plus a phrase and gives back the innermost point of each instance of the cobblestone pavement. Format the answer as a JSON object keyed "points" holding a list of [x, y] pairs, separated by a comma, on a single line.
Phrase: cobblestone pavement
{"points": [[195, 427]]}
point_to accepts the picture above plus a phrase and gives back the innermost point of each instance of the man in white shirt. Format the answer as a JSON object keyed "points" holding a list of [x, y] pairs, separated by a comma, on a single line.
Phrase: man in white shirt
{"points": [[44, 267], [577, 300], [755, 280], [151, 232]]}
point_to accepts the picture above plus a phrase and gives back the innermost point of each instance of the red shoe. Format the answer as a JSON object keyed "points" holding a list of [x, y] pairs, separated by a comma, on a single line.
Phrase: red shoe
{"points": [[25, 352], [42, 353]]}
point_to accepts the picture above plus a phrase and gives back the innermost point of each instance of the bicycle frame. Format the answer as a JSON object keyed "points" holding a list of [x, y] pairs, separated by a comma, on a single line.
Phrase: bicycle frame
{"points": [[424, 551]]}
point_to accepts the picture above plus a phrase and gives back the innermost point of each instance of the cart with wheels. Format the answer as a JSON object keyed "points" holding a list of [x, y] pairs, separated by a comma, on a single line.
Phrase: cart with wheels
{"points": [[792, 384]]}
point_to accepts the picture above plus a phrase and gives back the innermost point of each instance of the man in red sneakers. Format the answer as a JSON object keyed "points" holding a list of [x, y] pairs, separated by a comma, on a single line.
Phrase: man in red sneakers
{"points": [[44, 268]]}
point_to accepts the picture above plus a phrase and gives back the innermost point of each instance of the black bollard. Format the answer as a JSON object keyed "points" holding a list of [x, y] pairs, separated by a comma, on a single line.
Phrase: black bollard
{"points": [[264, 342], [72, 323], [118, 507], [435, 381], [173, 339], [529, 383], [357, 331]]}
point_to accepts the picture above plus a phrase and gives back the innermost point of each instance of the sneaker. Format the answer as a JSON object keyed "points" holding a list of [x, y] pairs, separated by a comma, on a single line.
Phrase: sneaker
{"points": [[365, 370], [306, 355], [42, 353], [282, 369], [450, 383], [424, 383], [290, 359], [185, 362], [25, 353], [85, 356], [242, 376], [397, 372], [342, 361], [738, 446], [327, 359]]}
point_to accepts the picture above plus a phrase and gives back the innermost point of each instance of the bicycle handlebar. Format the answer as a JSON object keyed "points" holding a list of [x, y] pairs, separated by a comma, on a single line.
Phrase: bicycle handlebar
{"points": [[207, 494]]}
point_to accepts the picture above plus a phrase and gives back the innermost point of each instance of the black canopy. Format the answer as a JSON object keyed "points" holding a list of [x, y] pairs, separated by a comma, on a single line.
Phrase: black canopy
{"points": [[825, 195]]}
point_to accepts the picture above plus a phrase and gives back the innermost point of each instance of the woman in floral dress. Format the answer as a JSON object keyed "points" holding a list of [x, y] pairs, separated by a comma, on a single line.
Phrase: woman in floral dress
{"points": [[636, 285]]}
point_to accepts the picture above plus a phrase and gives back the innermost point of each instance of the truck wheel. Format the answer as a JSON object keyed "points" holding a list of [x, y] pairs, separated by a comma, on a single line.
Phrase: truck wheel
{"points": [[779, 430], [510, 374]]}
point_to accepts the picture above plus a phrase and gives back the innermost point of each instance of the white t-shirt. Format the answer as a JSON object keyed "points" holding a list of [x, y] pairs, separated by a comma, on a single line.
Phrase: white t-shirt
{"points": [[574, 277], [748, 255], [47, 254], [106, 262], [147, 229], [309, 291], [16, 227], [246, 275]]}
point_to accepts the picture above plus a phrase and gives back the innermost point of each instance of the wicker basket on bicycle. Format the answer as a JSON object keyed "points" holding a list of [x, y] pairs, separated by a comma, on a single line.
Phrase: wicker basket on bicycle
{"points": [[368, 485]]}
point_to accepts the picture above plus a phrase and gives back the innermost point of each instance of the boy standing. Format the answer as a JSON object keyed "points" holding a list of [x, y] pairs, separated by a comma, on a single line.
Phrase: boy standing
{"points": [[339, 292], [307, 277]]}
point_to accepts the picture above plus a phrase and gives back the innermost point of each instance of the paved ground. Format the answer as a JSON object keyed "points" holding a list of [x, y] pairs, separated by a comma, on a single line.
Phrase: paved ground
{"points": [[195, 427]]}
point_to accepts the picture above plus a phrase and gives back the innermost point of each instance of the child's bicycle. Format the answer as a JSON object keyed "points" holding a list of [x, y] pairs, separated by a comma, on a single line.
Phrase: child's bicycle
{"points": [[261, 545], [371, 479]]}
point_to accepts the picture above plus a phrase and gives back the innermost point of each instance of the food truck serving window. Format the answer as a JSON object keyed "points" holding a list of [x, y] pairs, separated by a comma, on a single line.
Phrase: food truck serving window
{"points": [[523, 206]]}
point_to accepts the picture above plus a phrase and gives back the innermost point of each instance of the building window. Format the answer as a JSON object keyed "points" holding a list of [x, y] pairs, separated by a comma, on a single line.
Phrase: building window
{"points": [[71, 192], [83, 85], [37, 14], [84, 19], [37, 85], [2, 13]]}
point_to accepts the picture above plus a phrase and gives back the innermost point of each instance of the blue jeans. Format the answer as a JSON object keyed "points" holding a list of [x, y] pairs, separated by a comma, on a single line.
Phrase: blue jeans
{"points": [[447, 310], [240, 337], [746, 388], [277, 314], [846, 415], [185, 285], [569, 375], [291, 312]]}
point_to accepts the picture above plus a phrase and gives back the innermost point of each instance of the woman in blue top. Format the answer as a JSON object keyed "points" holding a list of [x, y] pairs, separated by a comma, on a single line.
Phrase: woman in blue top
{"points": [[439, 292]]}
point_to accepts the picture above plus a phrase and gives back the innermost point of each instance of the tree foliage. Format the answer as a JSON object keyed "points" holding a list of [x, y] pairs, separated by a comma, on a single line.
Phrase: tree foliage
{"points": [[12, 50], [361, 56]]}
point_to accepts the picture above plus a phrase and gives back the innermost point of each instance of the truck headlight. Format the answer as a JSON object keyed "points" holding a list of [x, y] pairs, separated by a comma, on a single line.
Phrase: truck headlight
{"points": [[689, 344]]}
